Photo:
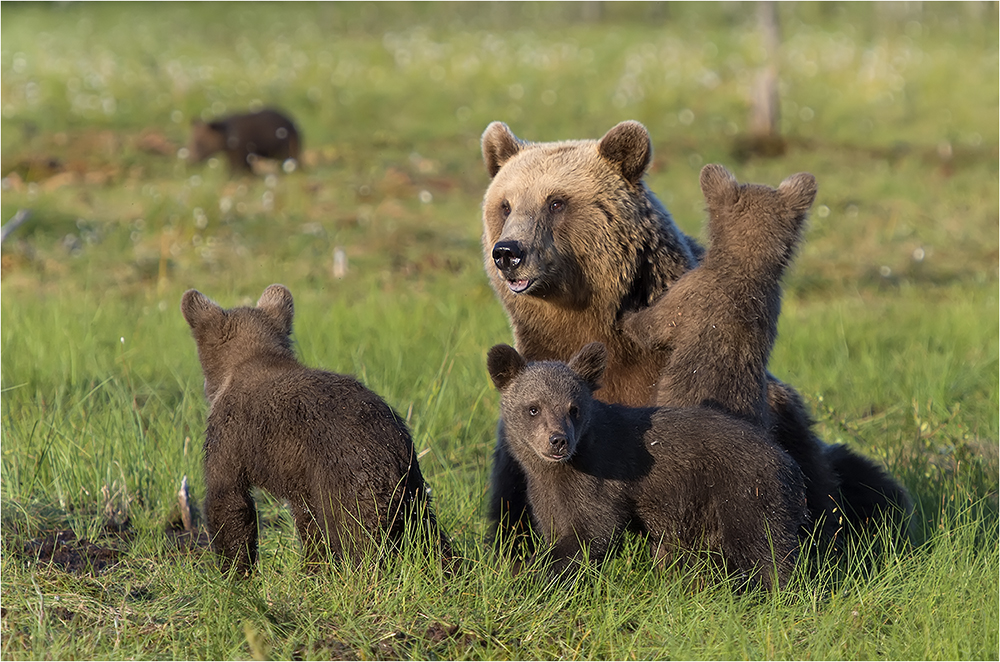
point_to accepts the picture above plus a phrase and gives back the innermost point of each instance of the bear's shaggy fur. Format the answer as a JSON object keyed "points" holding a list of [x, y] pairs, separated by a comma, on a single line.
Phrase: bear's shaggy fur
{"points": [[573, 243], [719, 321], [265, 134], [690, 479], [340, 456]]}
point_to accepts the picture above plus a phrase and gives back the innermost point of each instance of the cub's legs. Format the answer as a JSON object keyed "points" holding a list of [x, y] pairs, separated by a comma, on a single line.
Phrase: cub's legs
{"points": [[232, 520]]}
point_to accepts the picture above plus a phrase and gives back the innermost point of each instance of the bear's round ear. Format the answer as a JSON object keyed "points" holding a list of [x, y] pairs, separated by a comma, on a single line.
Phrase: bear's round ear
{"points": [[590, 363], [628, 147], [799, 192], [276, 301], [718, 185], [499, 144], [504, 364], [196, 308]]}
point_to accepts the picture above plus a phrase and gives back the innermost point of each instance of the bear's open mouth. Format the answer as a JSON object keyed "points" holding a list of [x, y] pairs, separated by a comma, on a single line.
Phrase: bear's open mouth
{"points": [[518, 286]]}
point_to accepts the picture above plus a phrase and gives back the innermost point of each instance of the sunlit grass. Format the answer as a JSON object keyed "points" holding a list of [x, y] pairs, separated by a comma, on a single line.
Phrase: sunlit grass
{"points": [[889, 325]]}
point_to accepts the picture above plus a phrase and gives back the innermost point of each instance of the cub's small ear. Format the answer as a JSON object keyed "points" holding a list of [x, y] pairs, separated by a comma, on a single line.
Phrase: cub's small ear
{"points": [[628, 147], [196, 308], [590, 363], [799, 192], [499, 144], [718, 185], [276, 301], [504, 364]]}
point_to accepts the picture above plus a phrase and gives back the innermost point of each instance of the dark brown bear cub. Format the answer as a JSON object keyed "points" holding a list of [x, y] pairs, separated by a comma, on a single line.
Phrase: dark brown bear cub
{"points": [[718, 322], [340, 456], [689, 479], [266, 134], [717, 326]]}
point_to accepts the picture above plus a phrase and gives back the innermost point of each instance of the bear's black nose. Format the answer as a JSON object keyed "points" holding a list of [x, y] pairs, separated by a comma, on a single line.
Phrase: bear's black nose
{"points": [[507, 254], [558, 443]]}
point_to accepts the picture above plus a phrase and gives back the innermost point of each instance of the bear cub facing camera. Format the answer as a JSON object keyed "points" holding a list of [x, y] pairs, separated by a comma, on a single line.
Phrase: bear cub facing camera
{"points": [[340, 456], [689, 479], [244, 138]]}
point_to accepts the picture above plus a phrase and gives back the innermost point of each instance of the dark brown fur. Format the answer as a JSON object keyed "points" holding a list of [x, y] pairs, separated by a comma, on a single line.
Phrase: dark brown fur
{"points": [[718, 322], [573, 242], [690, 479], [266, 134], [340, 456]]}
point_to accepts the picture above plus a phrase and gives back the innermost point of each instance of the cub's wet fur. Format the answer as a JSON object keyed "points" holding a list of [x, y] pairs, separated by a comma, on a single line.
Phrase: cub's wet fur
{"points": [[340, 456], [689, 479]]}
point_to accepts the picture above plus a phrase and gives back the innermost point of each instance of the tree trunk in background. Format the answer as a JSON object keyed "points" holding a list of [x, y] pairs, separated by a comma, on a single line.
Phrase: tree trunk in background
{"points": [[764, 106], [591, 11]]}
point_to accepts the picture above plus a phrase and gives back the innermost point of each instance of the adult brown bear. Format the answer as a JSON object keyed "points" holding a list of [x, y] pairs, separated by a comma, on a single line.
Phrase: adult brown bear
{"points": [[573, 242]]}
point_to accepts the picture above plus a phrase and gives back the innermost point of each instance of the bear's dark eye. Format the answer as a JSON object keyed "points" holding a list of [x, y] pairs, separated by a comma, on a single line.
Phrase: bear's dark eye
{"points": [[574, 411], [505, 208], [533, 410], [556, 206]]}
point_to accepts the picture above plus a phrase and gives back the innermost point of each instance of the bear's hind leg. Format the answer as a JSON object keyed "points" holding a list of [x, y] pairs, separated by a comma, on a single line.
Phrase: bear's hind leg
{"points": [[232, 523], [869, 496], [310, 534]]}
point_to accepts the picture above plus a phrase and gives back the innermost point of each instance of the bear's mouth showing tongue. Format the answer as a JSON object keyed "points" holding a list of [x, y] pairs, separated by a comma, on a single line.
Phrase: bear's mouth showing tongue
{"points": [[518, 286]]}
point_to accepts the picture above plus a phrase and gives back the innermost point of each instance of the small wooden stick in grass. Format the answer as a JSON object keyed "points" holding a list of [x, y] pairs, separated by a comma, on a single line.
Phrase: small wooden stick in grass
{"points": [[184, 500], [18, 219]]}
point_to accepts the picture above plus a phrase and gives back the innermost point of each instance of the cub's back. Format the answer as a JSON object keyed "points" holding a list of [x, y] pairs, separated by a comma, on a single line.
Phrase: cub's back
{"points": [[301, 419]]}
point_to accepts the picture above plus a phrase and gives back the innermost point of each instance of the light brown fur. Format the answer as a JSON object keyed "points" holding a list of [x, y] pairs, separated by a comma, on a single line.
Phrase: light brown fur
{"points": [[594, 261]]}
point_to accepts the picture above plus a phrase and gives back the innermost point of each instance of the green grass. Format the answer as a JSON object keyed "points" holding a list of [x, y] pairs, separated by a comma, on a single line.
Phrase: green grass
{"points": [[889, 326]]}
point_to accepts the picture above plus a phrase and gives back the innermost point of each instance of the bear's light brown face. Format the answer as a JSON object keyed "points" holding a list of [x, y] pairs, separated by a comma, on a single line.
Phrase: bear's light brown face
{"points": [[555, 214], [205, 141], [537, 213]]}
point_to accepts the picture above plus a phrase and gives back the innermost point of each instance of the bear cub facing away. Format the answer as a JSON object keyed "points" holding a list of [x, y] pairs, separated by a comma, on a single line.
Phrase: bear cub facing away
{"points": [[340, 456], [719, 321], [689, 479], [265, 134]]}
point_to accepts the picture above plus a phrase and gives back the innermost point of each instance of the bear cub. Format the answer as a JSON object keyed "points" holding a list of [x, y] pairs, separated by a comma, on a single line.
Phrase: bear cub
{"points": [[691, 480], [717, 326], [244, 138], [340, 456], [719, 321]]}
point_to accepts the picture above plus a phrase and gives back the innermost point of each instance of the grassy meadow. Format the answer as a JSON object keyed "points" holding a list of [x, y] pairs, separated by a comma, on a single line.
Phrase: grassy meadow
{"points": [[889, 326]]}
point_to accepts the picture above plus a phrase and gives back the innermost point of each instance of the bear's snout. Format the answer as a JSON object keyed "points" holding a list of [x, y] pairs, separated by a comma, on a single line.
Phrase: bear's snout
{"points": [[558, 446], [507, 254]]}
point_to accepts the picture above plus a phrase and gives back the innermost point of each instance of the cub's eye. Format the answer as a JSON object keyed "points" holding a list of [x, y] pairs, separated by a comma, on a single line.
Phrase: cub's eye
{"points": [[533, 411], [574, 411], [556, 206], [505, 208]]}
